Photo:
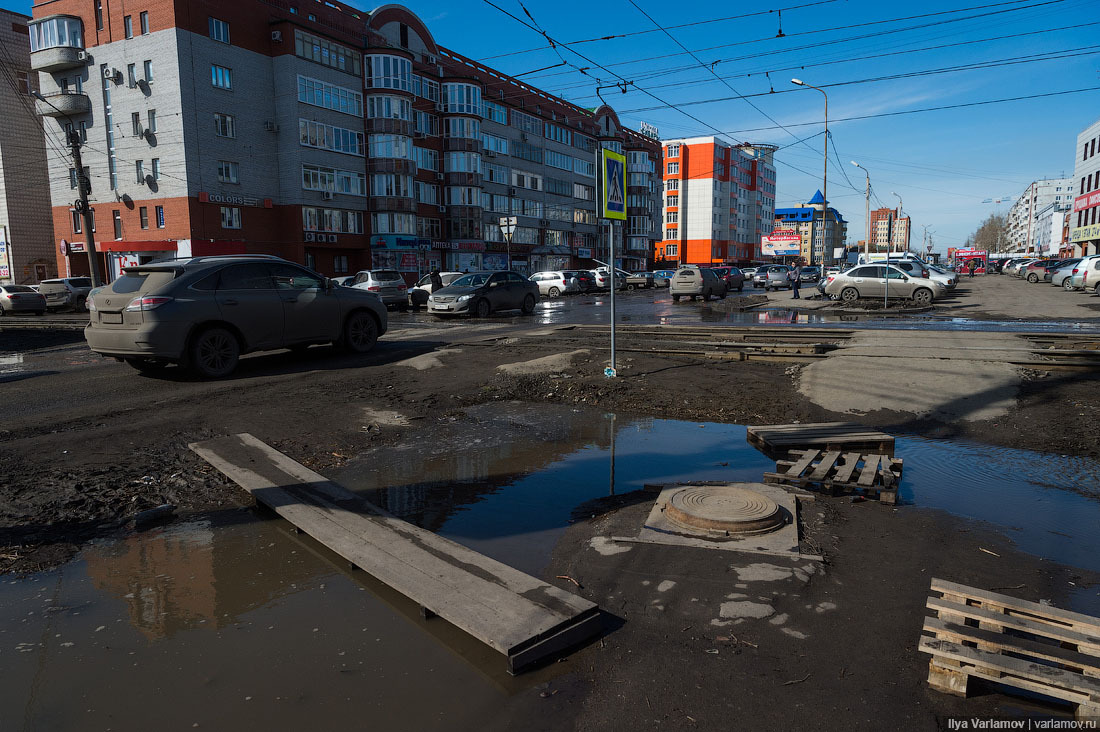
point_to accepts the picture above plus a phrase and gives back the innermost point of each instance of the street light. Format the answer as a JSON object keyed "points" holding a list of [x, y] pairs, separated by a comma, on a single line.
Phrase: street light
{"points": [[507, 230], [82, 183], [867, 241], [901, 210], [824, 184]]}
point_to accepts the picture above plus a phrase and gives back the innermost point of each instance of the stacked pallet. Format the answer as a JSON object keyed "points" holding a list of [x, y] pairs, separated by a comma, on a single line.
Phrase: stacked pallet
{"points": [[1020, 644], [837, 472]]}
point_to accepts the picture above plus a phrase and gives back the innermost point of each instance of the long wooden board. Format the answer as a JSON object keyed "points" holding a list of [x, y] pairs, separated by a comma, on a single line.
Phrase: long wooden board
{"points": [[827, 435], [517, 614]]}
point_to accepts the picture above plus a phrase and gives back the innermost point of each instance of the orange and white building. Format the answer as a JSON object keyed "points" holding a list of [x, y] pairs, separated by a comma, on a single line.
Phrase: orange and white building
{"points": [[719, 200]]}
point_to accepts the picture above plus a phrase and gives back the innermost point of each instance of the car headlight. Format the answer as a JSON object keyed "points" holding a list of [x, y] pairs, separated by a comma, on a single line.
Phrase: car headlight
{"points": [[464, 298]]}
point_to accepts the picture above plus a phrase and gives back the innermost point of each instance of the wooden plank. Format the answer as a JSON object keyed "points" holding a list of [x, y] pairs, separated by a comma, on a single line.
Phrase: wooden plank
{"points": [[1000, 642], [802, 463], [1041, 613], [501, 606], [1057, 682], [844, 472], [826, 464], [954, 611], [870, 470]]}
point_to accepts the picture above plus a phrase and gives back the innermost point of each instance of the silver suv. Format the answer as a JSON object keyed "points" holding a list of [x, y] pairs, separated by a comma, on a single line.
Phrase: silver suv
{"points": [[772, 276], [67, 292], [388, 284], [696, 282], [205, 312]]}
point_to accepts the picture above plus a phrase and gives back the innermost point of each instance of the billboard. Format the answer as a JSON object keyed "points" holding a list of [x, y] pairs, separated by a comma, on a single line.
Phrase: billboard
{"points": [[965, 257], [781, 243], [613, 185]]}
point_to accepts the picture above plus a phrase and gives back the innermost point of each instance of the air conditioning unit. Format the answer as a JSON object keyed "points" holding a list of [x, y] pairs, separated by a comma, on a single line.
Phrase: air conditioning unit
{"points": [[439, 176], [523, 136], [277, 36], [442, 209], [490, 153], [418, 134], [111, 74], [327, 195], [82, 56], [271, 127], [511, 191]]}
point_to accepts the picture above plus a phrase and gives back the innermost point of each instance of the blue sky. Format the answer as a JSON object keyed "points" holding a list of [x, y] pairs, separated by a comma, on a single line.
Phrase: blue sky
{"points": [[942, 163]]}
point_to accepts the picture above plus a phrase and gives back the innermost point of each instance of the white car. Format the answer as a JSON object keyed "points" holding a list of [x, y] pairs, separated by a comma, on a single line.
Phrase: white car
{"points": [[554, 283], [418, 293]]}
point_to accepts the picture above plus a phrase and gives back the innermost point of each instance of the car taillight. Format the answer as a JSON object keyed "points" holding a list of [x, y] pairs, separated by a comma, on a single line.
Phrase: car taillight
{"points": [[146, 303], [831, 278], [374, 288], [402, 287], [1074, 270]]}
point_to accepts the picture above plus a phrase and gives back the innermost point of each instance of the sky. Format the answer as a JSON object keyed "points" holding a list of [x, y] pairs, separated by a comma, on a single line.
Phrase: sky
{"points": [[871, 58]]}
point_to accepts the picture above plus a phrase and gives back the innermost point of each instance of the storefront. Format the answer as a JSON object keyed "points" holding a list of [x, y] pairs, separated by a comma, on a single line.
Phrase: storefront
{"points": [[544, 258], [964, 257], [411, 257]]}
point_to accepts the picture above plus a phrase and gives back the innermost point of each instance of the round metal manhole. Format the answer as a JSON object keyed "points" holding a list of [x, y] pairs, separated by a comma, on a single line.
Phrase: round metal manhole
{"points": [[730, 508]]}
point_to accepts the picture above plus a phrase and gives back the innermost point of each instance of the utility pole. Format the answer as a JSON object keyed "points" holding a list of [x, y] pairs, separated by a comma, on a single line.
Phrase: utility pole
{"points": [[867, 209], [84, 209]]}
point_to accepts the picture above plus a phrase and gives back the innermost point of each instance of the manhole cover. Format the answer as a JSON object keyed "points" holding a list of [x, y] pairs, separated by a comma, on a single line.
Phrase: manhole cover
{"points": [[731, 508]]}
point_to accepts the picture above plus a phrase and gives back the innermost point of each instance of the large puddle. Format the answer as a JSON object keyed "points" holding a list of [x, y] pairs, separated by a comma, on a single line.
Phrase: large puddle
{"points": [[232, 622]]}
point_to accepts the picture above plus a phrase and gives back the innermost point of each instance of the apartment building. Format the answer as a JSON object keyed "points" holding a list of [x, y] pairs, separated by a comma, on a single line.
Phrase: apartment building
{"points": [[889, 230], [330, 136], [1084, 234], [808, 217], [1020, 229], [719, 200], [26, 229]]}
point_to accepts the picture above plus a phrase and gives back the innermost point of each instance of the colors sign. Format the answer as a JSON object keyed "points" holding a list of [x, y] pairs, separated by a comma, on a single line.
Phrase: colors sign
{"points": [[781, 243], [613, 185]]}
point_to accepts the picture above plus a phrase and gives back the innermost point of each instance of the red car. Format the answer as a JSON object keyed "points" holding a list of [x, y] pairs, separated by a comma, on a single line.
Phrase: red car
{"points": [[732, 276], [1035, 271]]}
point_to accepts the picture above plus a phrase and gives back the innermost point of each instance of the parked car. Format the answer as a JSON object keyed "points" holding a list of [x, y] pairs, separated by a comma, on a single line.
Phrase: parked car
{"points": [[418, 293], [1020, 271], [204, 312], [772, 276], [732, 276], [811, 273], [1047, 273], [388, 284], [66, 292], [1086, 275], [914, 268], [603, 279], [696, 282], [870, 280], [554, 284], [583, 278], [660, 279], [942, 274], [1013, 265], [21, 299], [1035, 270], [748, 272], [481, 293], [830, 270], [628, 280], [1061, 273]]}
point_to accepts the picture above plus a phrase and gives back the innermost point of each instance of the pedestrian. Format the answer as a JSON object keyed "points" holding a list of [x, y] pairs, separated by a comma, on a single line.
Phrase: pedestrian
{"points": [[437, 280], [972, 265], [795, 276]]}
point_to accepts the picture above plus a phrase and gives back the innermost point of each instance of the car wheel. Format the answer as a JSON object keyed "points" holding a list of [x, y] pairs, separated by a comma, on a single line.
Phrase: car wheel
{"points": [[741, 287], [553, 292], [214, 353], [630, 287], [849, 294], [360, 332], [1067, 285], [706, 296], [723, 295], [528, 304], [3, 312], [1033, 278], [675, 298], [922, 297], [147, 364], [482, 309]]}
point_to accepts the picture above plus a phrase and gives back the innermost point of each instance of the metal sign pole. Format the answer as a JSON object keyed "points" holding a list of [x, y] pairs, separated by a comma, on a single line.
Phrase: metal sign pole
{"points": [[611, 272]]}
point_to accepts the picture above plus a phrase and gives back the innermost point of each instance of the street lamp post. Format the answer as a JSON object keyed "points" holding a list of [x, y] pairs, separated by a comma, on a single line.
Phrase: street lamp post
{"points": [[825, 258], [508, 230], [867, 241], [83, 186], [901, 210]]}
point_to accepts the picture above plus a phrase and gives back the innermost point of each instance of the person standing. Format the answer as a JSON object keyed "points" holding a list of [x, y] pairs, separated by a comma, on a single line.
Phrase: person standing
{"points": [[796, 278], [437, 279]]}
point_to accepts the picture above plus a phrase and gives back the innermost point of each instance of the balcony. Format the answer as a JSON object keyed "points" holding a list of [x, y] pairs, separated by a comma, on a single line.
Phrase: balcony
{"points": [[392, 203], [461, 144], [400, 166], [464, 212], [462, 179], [63, 105], [60, 58], [388, 126]]}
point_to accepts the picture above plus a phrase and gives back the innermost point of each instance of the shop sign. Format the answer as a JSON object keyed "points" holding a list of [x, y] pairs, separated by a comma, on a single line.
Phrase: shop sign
{"points": [[319, 237], [1086, 201], [230, 199], [1085, 233], [649, 130], [410, 261], [584, 253]]}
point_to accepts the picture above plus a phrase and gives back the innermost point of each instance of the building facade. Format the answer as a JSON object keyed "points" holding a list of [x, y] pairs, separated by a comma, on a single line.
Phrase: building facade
{"points": [[890, 230], [806, 218], [1020, 229], [1049, 223], [26, 227], [1084, 233], [337, 138], [719, 199]]}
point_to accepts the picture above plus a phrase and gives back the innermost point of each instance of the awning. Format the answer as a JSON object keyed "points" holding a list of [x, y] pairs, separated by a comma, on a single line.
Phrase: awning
{"points": [[561, 251]]}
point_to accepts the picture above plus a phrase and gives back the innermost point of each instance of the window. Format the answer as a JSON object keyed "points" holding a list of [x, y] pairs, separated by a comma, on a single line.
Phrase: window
{"points": [[78, 222], [426, 159], [526, 123], [673, 168], [495, 173], [558, 133], [56, 32], [389, 107], [219, 30], [228, 171], [426, 88], [388, 72], [327, 137], [131, 75], [152, 123], [522, 179], [462, 162], [390, 184], [135, 120], [389, 146], [586, 168], [672, 201], [392, 223], [315, 178], [117, 216], [672, 185], [464, 127], [672, 217], [156, 168], [427, 193], [463, 196], [523, 151], [332, 220], [340, 263], [223, 125], [427, 124], [231, 217], [672, 250], [673, 151], [672, 232], [128, 26], [558, 186], [461, 98], [144, 22], [139, 167], [583, 192], [495, 113], [99, 14], [148, 66], [320, 94], [494, 144], [221, 77], [559, 160], [160, 217], [143, 214], [327, 53], [428, 228]]}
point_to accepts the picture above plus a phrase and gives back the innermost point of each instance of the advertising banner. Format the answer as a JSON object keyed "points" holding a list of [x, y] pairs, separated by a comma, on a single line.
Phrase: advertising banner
{"points": [[964, 257], [613, 185], [1085, 233], [781, 243], [1086, 201]]}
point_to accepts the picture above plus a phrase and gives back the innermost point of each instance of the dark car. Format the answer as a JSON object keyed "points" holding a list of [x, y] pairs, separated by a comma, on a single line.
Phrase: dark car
{"points": [[584, 278], [1050, 269], [481, 293], [204, 312], [732, 276], [1035, 270], [811, 273]]}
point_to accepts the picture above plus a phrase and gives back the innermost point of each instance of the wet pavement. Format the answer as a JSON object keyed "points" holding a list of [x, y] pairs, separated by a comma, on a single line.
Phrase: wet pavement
{"points": [[229, 621]]}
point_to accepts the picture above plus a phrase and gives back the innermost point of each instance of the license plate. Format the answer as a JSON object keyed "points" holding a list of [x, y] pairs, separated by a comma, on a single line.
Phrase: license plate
{"points": [[111, 318]]}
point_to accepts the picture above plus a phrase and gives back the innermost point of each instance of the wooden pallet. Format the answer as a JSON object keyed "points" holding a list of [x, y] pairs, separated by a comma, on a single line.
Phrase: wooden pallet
{"points": [[837, 473], [777, 439], [519, 615], [1036, 648]]}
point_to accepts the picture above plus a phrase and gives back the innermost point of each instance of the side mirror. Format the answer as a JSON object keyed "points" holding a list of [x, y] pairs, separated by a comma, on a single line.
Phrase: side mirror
{"points": [[494, 284], [330, 285]]}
